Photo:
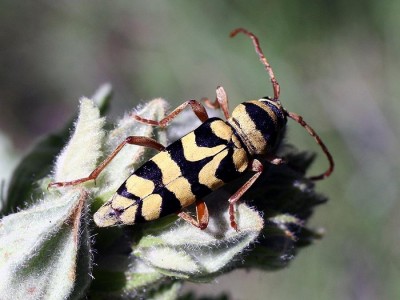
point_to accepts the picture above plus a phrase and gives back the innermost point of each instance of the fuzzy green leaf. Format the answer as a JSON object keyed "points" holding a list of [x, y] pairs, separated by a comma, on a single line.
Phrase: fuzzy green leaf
{"points": [[45, 250], [23, 189], [185, 251], [39, 249], [83, 150]]}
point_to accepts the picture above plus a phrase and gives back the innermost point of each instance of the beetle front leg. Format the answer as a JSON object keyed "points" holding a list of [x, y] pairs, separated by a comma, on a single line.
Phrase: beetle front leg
{"points": [[220, 102], [257, 167]]}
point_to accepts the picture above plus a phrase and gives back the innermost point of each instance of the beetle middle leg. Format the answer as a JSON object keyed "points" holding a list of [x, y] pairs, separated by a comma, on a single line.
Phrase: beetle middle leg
{"points": [[196, 106]]}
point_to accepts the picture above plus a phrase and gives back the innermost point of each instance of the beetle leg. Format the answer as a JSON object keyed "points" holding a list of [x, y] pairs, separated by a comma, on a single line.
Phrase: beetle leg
{"points": [[220, 102], [201, 215], [257, 167], [131, 140], [196, 106]]}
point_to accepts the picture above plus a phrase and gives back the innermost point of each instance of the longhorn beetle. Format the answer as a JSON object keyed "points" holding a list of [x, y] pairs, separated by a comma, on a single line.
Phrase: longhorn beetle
{"points": [[203, 160]]}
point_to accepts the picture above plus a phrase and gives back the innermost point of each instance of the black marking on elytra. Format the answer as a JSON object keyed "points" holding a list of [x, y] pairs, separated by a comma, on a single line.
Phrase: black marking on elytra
{"points": [[116, 212], [204, 137], [150, 171], [122, 191], [139, 214], [169, 204], [190, 170], [226, 170]]}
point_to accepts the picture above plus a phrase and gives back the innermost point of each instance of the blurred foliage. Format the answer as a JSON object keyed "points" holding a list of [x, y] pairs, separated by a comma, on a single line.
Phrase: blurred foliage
{"points": [[338, 66]]}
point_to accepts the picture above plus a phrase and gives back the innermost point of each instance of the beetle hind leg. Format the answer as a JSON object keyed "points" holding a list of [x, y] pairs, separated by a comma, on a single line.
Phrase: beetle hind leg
{"points": [[202, 216], [130, 140]]}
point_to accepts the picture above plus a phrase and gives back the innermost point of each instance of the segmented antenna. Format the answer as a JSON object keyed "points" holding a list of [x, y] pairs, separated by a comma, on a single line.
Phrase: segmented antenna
{"points": [[299, 119], [311, 131], [263, 59]]}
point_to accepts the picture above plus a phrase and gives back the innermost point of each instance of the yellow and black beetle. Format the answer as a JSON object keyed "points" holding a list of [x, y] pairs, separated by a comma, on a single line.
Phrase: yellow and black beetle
{"points": [[215, 153]]}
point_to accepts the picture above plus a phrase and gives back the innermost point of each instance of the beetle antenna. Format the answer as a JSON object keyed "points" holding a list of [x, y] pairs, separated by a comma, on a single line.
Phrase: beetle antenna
{"points": [[263, 59], [311, 131], [293, 116]]}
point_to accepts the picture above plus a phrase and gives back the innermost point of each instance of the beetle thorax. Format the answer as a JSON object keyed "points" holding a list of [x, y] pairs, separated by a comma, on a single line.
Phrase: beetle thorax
{"points": [[259, 123]]}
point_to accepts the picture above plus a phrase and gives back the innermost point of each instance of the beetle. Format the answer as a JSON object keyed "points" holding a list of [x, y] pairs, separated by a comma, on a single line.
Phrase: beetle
{"points": [[202, 161]]}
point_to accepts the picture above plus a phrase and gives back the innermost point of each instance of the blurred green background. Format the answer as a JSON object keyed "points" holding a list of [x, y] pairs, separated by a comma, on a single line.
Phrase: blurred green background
{"points": [[338, 66]]}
